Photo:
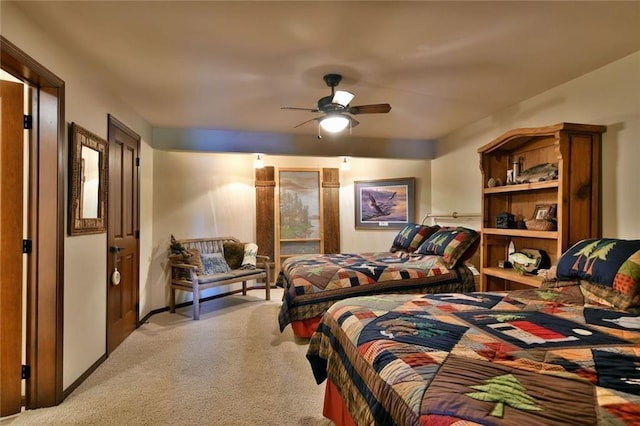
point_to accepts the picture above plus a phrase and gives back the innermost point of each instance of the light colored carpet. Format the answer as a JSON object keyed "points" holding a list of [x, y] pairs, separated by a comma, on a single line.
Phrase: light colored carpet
{"points": [[233, 367]]}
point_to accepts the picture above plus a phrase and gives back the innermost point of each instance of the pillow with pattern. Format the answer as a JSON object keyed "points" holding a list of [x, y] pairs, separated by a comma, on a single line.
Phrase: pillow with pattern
{"points": [[250, 256], [608, 268], [233, 253], [411, 236], [453, 244], [214, 263], [189, 257]]}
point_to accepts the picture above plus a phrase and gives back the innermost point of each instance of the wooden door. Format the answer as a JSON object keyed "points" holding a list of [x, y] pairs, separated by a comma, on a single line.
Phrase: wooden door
{"points": [[123, 230], [11, 231]]}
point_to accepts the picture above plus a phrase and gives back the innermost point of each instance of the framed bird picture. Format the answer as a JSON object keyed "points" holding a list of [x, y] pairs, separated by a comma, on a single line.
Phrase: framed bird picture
{"points": [[384, 203]]}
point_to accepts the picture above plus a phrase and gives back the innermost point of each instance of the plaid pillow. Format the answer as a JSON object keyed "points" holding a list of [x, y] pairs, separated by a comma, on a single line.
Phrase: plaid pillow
{"points": [[608, 268], [453, 244], [411, 236]]}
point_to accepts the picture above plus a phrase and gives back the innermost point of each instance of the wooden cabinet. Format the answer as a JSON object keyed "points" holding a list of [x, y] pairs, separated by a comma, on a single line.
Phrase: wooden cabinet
{"points": [[575, 148]]}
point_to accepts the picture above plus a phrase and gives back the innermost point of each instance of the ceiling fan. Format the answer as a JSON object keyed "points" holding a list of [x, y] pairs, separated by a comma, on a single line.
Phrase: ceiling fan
{"points": [[336, 108]]}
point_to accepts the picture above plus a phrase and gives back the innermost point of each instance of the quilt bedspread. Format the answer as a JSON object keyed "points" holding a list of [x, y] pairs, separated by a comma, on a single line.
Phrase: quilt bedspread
{"points": [[312, 283], [535, 356]]}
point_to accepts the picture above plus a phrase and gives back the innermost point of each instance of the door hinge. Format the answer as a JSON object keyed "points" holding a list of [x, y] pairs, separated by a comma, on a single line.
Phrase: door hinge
{"points": [[137, 161], [27, 246], [137, 233], [27, 122], [26, 371]]}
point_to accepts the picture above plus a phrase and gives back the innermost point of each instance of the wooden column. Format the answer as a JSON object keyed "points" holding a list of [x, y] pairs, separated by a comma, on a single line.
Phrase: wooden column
{"points": [[265, 211], [331, 209]]}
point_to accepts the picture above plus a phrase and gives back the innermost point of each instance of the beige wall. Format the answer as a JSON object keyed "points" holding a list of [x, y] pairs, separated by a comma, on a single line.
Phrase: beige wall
{"points": [[207, 194], [609, 96], [87, 102]]}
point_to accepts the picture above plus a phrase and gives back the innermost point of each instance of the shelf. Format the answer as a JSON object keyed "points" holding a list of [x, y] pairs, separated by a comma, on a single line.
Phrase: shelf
{"points": [[521, 187], [576, 149], [511, 275], [527, 233]]}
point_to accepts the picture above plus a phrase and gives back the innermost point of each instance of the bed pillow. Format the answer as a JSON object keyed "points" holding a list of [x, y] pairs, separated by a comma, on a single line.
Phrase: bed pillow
{"points": [[411, 236], [250, 256], [214, 263], [608, 268], [233, 253], [453, 244]]}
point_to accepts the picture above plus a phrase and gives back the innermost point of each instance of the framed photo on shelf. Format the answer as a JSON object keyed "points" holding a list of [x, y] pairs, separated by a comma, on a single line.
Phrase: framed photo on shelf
{"points": [[545, 211], [384, 203]]}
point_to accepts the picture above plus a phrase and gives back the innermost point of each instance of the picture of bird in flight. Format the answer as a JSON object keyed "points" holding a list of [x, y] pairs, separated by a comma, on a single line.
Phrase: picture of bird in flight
{"points": [[387, 203]]}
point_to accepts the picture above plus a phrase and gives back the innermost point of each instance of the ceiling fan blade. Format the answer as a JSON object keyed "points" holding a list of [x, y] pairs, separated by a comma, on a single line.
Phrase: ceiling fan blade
{"points": [[301, 109], [305, 122], [354, 122], [370, 109]]}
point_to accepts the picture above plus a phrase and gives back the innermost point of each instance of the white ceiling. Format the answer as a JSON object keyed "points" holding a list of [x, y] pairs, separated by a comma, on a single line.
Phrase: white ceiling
{"points": [[441, 65]]}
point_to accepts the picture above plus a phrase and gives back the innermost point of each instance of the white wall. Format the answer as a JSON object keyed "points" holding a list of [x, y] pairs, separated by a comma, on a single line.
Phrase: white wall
{"points": [[608, 96], [209, 194], [87, 102]]}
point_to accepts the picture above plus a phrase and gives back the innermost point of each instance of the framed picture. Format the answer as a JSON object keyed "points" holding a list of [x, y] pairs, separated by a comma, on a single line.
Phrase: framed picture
{"points": [[384, 203], [545, 211]]}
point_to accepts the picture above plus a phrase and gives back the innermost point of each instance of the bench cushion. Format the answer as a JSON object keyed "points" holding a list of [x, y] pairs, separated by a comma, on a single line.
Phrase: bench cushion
{"points": [[205, 279]]}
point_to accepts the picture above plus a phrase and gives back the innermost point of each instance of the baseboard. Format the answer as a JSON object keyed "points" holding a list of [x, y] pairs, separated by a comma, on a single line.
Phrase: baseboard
{"points": [[204, 299], [83, 377]]}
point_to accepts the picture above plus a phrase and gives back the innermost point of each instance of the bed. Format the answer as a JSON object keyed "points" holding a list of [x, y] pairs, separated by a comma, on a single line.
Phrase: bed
{"points": [[565, 353], [422, 259]]}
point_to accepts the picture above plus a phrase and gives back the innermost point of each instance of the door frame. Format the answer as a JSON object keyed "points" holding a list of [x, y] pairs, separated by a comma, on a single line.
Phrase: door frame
{"points": [[45, 264]]}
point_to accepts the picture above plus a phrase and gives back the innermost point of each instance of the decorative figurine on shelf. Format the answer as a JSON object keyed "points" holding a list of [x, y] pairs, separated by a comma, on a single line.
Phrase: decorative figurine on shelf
{"points": [[538, 173], [528, 261], [505, 220], [493, 182]]}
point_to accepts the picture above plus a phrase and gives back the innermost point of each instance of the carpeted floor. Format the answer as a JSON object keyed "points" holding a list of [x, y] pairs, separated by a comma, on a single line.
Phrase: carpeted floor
{"points": [[233, 367]]}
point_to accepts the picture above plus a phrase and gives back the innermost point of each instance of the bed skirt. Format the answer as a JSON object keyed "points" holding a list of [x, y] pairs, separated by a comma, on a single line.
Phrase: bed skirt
{"points": [[306, 327], [334, 408]]}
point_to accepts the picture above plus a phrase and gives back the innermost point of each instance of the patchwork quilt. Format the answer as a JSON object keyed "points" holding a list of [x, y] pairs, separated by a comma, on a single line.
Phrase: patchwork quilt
{"points": [[535, 356], [313, 283]]}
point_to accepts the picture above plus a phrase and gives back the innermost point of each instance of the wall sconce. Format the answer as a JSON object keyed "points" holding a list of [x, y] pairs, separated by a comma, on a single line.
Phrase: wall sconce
{"points": [[344, 165], [258, 163]]}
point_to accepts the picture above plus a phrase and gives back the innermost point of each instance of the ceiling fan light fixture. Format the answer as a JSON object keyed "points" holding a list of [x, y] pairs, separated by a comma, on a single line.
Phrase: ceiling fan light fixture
{"points": [[334, 123], [342, 97]]}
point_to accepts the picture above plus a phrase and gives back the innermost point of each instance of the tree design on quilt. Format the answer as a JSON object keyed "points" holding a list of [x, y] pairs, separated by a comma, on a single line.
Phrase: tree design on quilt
{"points": [[597, 250], [504, 389]]}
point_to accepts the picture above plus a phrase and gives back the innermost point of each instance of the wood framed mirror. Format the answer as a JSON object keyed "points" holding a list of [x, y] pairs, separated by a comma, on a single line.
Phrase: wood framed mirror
{"points": [[88, 161]]}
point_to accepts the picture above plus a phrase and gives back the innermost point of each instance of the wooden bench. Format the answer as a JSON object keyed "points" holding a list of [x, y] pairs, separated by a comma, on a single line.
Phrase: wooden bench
{"points": [[185, 277]]}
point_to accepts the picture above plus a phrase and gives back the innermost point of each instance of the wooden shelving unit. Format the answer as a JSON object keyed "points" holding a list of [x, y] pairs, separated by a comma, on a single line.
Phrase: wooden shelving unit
{"points": [[575, 148]]}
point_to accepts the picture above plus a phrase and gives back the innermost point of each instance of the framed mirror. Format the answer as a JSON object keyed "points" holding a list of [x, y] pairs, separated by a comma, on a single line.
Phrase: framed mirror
{"points": [[88, 160]]}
